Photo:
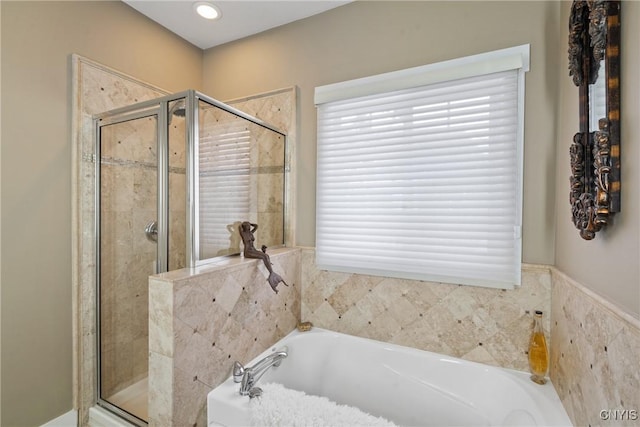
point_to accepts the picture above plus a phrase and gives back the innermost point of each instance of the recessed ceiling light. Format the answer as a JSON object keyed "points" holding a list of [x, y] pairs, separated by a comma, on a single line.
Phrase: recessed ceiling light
{"points": [[207, 10]]}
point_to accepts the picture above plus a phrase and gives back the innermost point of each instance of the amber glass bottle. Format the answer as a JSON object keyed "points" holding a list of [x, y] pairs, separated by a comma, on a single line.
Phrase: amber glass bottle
{"points": [[538, 354]]}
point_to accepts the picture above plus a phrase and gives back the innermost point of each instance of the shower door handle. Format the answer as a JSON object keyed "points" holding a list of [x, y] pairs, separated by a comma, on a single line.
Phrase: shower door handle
{"points": [[151, 231]]}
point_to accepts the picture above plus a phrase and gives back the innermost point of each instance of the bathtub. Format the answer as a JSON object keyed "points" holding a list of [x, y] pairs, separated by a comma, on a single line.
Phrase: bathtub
{"points": [[406, 386]]}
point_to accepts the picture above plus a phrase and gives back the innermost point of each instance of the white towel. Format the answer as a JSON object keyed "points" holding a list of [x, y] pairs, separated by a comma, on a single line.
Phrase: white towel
{"points": [[280, 406]]}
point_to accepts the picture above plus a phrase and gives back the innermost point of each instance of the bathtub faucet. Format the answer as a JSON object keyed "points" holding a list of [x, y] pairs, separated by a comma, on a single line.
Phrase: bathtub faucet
{"points": [[248, 377]]}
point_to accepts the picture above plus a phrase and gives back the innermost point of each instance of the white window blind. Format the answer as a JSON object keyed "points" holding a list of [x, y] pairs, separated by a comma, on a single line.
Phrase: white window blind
{"points": [[424, 182]]}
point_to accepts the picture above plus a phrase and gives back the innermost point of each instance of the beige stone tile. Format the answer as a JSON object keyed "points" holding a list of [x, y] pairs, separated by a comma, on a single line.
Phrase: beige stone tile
{"points": [[624, 357], [354, 321], [227, 295], [504, 309], [370, 305], [462, 316], [402, 310], [460, 302], [257, 318], [324, 316], [190, 400], [594, 356], [383, 327], [422, 335], [481, 355], [161, 318], [502, 348], [161, 390]]}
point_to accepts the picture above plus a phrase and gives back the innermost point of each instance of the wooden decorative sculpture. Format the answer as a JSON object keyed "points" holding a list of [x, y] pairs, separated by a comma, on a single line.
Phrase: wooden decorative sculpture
{"points": [[594, 37], [246, 232]]}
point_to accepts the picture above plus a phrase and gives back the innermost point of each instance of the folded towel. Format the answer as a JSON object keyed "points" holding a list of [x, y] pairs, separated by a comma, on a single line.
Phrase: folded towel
{"points": [[280, 406]]}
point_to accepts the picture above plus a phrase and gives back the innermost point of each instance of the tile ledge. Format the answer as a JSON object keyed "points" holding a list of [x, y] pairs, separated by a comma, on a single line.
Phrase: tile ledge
{"points": [[615, 310], [216, 265], [537, 267]]}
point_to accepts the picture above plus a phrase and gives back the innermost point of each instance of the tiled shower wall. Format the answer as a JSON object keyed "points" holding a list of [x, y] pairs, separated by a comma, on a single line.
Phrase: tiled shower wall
{"points": [[128, 203], [484, 325], [242, 166], [279, 109], [96, 89]]}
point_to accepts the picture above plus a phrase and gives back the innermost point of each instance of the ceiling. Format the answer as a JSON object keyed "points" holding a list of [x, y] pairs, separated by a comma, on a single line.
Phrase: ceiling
{"points": [[240, 18]]}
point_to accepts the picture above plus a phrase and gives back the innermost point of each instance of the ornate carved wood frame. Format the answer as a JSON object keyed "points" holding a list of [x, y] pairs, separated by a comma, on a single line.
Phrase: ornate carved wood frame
{"points": [[594, 35]]}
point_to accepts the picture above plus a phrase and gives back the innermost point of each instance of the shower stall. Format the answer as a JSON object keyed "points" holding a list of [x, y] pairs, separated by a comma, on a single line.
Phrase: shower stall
{"points": [[175, 176]]}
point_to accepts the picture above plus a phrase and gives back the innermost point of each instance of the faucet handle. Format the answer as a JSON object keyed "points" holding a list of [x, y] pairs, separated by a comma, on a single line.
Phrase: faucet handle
{"points": [[238, 372]]}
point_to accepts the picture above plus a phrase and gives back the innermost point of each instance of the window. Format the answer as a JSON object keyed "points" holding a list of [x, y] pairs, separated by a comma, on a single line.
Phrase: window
{"points": [[420, 172]]}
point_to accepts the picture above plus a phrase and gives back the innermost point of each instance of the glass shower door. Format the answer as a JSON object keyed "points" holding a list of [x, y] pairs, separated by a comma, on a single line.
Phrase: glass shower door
{"points": [[128, 254], [174, 176]]}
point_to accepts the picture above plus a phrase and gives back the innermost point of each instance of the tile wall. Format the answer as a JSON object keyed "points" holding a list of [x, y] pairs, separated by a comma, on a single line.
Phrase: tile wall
{"points": [[595, 359], [129, 181], [594, 346], [279, 109], [484, 325], [243, 163], [128, 200], [202, 321]]}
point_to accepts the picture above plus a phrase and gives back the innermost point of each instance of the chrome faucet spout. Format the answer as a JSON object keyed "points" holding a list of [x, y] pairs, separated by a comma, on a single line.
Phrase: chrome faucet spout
{"points": [[251, 375]]}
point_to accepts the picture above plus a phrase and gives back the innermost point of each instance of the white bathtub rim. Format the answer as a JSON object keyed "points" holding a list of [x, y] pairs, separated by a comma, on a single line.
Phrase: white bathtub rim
{"points": [[547, 398]]}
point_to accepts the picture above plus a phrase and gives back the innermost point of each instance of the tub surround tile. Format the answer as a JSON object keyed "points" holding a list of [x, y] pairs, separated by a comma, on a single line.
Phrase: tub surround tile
{"points": [[480, 355], [219, 314], [479, 324], [594, 359], [594, 346]]}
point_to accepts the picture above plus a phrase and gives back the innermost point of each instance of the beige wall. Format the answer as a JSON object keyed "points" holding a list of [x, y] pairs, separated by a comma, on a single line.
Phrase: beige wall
{"points": [[366, 38], [356, 40], [609, 264], [37, 40]]}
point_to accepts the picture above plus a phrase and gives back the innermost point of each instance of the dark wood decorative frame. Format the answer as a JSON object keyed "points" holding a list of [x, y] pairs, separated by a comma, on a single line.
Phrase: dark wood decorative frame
{"points": [[594, 35]]}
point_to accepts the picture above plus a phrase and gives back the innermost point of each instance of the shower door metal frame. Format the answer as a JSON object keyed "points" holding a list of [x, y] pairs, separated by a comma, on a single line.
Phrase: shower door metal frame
{"points": [[193, 162], [100, 121], [158, 107], [191, 98]]}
